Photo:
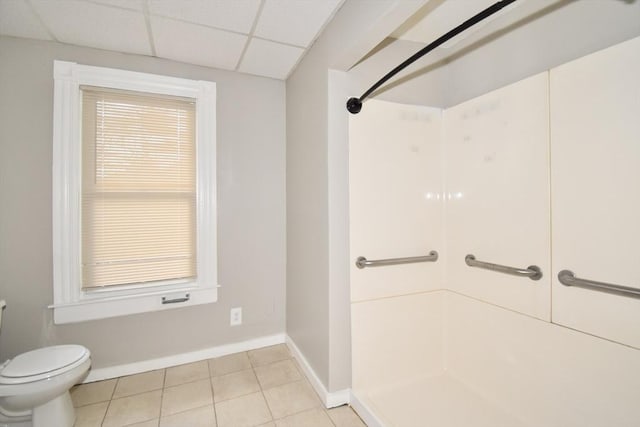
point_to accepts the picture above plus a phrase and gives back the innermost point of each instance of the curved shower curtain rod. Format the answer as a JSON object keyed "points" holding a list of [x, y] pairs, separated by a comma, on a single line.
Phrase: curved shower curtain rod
{"points": [[354, 105]]}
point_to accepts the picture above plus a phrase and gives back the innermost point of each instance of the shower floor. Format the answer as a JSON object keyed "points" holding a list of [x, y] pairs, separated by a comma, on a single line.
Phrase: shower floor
{"points": [[436, 402]]}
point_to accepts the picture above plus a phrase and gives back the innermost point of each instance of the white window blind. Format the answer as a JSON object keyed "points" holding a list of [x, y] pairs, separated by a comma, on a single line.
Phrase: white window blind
{"points": [[138, 188]]}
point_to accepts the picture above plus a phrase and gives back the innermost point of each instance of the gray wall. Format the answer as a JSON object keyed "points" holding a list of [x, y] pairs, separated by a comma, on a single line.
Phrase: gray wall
{"points": [[251, 212], [563, 31], [552, 33], [318, 312]]}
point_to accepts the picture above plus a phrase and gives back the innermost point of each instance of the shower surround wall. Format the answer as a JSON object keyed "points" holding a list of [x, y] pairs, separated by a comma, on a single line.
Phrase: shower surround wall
{"points": [[394, 151], [446, 344]]}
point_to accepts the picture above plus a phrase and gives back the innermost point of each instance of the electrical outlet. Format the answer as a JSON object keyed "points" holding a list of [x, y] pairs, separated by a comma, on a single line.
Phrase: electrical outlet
{"points": [[235, 316]]}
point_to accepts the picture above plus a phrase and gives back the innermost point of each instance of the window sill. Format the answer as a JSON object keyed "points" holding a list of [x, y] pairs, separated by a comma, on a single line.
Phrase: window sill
{"points": [[103, 308]]}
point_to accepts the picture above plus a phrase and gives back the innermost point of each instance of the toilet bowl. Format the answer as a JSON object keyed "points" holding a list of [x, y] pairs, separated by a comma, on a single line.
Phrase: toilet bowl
{"points": [[34, 386]]}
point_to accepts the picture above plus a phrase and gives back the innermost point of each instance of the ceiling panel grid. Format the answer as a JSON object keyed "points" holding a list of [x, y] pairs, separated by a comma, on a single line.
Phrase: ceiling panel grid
{"points": [[261, 37]]}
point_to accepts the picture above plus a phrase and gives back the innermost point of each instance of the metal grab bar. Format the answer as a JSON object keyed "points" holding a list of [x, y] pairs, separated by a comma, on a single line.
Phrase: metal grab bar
{"points": [[533, 272], [362, 262], [567, 278]]}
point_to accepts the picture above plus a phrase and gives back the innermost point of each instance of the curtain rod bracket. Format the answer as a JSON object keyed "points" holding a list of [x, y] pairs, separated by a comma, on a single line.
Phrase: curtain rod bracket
{"points": [[354, 105]]}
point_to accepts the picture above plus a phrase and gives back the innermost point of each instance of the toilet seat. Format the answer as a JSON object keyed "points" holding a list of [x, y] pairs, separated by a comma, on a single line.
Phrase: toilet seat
{"points": [[42, 363]]}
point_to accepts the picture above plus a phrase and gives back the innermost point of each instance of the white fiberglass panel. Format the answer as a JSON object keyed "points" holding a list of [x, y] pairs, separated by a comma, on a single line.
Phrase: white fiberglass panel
{"points": [[546, 374], [438, 401], [396, 340], [395, 198], [595, 171], [497, 195]]}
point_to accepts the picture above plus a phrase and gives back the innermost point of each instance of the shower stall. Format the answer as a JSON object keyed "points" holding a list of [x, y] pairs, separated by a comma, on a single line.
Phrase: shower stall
{"points": [[497, 240]]}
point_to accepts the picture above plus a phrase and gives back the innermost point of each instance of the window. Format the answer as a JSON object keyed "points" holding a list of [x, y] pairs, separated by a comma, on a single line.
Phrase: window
{"points": [[138, 189], [133, 192]]}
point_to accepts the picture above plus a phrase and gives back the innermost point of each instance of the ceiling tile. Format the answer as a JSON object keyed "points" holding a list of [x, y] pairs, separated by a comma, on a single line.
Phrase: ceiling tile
{"points": [[294, 22], [18, 20], [196, 44], [270, 59], [88, 24], [236, 15]]}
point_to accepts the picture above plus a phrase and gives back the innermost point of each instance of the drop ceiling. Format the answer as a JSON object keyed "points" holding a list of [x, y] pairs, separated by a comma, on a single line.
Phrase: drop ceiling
{"points": [[262, 37]]}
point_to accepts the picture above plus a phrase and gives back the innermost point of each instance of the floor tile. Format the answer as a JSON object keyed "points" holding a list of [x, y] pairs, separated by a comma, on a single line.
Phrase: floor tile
{"points": [[140, 383], [199, 417], [133, 409], [186, 396], [291, 398], [86, 394], [316, 417], [220, 392], [228, 364], [183, 374], [278, 373], [266, 355], [245, 411], [344, 416], [234, 385], [91, 415]]}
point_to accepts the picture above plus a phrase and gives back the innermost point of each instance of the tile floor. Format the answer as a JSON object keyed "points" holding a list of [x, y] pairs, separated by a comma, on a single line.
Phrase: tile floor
{"points": [[263, 387]]}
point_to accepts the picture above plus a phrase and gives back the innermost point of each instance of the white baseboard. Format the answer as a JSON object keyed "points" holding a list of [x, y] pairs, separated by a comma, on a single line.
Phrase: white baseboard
{"points": [[330, 399], [179, 359], [365, 412]]}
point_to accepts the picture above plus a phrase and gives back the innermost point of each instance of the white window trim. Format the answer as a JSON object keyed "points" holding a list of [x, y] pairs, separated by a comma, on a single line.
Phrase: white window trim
{"points": [[70, 302]]}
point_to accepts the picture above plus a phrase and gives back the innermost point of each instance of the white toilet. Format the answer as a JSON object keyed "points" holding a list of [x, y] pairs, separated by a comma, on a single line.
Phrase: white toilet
{"points": [[34, 386]]}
